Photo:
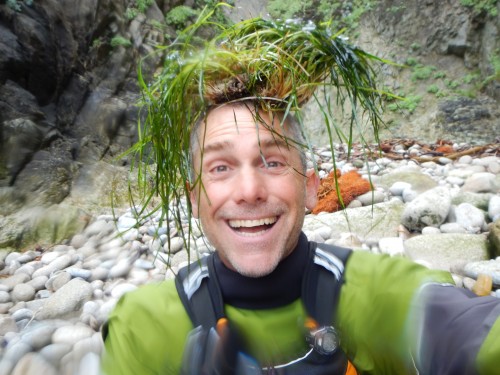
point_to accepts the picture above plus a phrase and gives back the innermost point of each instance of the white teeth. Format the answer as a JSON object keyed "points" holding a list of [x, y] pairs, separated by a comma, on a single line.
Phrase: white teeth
{"points": [[252, 223], [246, 234]]}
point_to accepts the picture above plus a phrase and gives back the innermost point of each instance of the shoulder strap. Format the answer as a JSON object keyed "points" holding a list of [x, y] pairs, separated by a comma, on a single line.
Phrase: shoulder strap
{"points": [[200, 294], [323, 280]]}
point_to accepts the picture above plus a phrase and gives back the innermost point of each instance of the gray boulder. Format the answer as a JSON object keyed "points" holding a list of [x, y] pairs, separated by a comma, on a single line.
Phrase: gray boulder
{"points": [[427, 209]]}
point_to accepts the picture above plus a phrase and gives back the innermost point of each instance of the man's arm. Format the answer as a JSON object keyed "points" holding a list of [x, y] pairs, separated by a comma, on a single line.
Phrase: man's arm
{"points": [[374, 310], [452, 326], [146, 332]]}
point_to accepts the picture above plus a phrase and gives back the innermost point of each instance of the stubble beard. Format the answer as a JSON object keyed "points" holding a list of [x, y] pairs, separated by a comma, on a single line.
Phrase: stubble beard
{"points": [[281, 248]]}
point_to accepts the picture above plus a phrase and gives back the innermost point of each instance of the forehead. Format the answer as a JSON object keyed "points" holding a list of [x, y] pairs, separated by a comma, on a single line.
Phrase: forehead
{"points": [[237, 119]]}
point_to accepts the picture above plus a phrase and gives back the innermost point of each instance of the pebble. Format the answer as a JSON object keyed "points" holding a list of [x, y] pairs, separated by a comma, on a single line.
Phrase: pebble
{"points": [[54, 302]]}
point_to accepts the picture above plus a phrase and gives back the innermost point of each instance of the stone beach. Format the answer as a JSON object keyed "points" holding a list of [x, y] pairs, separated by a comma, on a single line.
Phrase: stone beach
{"points": [[443, 213]]}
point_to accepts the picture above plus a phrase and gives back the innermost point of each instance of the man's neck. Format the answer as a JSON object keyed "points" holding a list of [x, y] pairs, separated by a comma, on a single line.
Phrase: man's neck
{"points": [[279, 288]]}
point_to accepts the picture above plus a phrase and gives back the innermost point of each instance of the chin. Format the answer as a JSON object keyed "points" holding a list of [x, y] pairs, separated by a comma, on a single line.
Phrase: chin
{"points": [[256, 268]]}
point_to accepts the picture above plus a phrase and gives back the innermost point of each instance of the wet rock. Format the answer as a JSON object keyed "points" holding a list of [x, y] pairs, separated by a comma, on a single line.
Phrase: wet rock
{"points": [[67, 301], [427, 209], [442, 250]]}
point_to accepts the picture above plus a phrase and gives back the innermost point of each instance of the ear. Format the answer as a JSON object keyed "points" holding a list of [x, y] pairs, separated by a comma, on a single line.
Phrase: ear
{"points": [[312, 185], [193, 197]]}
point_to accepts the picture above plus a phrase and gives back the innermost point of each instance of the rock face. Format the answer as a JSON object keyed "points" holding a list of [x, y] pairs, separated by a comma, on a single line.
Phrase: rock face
{"points": [[455, 116], [68, 94], [449, 40]]}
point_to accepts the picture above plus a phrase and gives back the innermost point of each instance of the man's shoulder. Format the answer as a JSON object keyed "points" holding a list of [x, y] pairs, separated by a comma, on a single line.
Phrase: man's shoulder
{"points": [[363, 264], [152, 296]]}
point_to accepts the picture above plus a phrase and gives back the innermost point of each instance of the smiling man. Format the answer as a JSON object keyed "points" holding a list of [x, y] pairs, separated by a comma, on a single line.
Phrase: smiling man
{"points": [[255, 187]]}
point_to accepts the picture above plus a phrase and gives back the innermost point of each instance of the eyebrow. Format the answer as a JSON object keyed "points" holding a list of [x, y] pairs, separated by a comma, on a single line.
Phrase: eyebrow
{"points": [[263, 144], [217, 146]]}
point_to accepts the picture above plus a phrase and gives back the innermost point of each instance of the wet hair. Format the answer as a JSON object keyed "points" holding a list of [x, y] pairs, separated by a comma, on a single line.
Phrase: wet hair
{"points": [[294, 136]]}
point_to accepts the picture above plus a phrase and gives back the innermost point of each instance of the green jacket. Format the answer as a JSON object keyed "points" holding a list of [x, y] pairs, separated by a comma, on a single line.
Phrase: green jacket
{"points": [[148, 328]]}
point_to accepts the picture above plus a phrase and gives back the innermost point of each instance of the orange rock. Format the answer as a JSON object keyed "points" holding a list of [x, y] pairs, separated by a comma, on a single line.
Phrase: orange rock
{"points": [[483, 285], [350, 185], [445, 149]]}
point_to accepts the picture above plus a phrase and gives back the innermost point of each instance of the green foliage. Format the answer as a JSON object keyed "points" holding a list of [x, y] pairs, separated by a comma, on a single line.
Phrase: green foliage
{"points": [[479, 6], [131, 13], [137, 7], [452, 84], [342, 13], [408, 104], [327, 8], [143, 5], [96, 43], [396, 8], [156, 24], [467, 93], [439, 75], [411, 61], [433, 89], [421, 72], [495, 64], [286, 10], [119, 41], [181, 16], [415, 46], [471, 78]]}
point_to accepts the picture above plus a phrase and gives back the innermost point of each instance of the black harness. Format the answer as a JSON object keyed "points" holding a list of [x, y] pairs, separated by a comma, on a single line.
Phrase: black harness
{"points": [[214, 346]]}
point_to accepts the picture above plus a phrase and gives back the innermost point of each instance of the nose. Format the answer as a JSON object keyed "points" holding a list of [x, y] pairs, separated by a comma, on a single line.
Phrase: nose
{"points": [[250, 186]]}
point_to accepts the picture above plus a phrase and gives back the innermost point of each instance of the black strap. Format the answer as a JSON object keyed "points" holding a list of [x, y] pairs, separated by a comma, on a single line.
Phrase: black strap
{"points": [[205, 306], [321, 286]]}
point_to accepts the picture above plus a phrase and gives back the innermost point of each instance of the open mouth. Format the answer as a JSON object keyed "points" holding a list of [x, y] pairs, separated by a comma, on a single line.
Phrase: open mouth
{"points": [[251, 228]]}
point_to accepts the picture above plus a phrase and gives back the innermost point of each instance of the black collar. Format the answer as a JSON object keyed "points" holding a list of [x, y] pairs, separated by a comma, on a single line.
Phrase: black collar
{"points": [[279, 288]]}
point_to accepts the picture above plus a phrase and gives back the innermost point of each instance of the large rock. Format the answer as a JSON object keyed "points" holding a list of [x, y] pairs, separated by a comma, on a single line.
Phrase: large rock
{"points": [[67, 302], [419, 181], [67, 99], [373, 222], [442, 251], [42, 226], [468, 118], [494, 238], [428, 209]]}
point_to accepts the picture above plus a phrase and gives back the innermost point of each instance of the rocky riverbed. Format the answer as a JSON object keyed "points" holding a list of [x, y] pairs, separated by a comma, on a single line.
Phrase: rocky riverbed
{"points": [[439, 209]]}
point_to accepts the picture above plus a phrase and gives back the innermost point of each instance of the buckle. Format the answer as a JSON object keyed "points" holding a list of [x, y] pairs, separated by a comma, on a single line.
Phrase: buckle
{"points": [[324, 340]]}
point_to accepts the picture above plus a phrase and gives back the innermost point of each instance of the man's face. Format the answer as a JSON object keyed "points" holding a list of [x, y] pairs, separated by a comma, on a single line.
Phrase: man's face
{"points": [[251, 210]]}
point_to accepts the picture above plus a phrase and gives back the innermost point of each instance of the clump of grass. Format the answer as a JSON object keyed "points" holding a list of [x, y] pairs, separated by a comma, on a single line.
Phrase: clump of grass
{"points": [[422, 72], [479, 6], [433, 89], [180, 15], [118, 41], [409, 104], [279, 64]]}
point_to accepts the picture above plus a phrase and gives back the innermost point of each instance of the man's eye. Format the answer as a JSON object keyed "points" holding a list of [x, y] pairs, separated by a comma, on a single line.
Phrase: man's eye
{"points": [[273, 164], [220, 168]]}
